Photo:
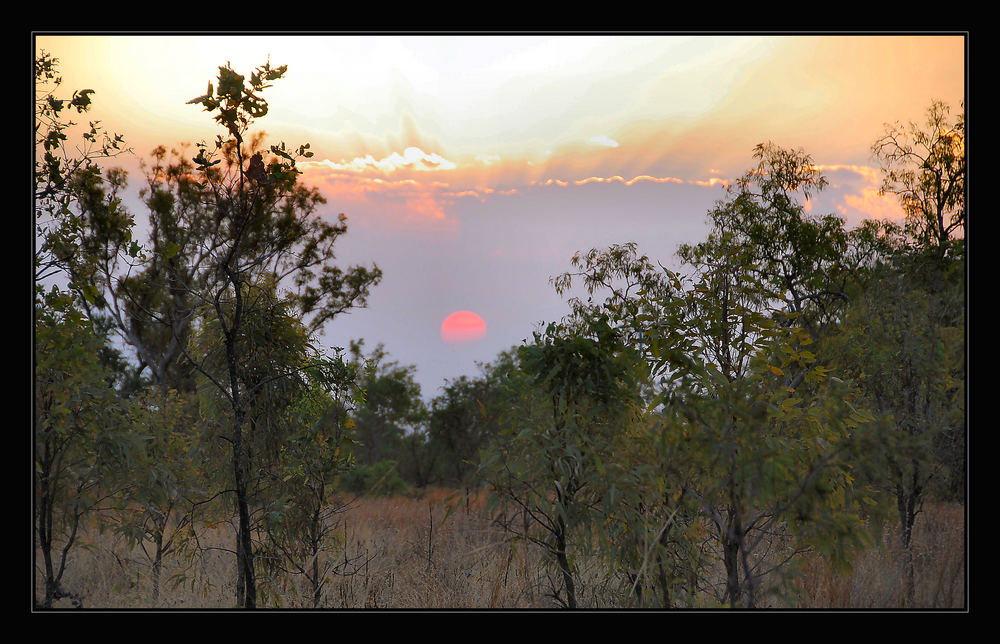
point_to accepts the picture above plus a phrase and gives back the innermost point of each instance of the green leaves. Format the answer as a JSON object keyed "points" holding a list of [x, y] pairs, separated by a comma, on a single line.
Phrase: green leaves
{"points": [[237, 103], [924, 165], [574, 366], [81, 100], [230, 85], [202, 162]]}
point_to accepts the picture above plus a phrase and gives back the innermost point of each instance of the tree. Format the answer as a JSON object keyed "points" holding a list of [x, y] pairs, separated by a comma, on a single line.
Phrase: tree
{"points": [[780, 435], [728, 362], [155, 509], [806, 265], [79, 437], [910, 369], [769, 466], [300, 514], [78, 419], [579, 384], [60, 170], [392, 407], [463, 419], [634, 287], [270, 260], [925, 169], [910, 311]]}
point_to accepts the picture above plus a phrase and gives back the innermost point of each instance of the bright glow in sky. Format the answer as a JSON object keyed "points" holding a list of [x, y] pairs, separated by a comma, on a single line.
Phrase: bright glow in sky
{"points": [[471, 168], [462, 327]]}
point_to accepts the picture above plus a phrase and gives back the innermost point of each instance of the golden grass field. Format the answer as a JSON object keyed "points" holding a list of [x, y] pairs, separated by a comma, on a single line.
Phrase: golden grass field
{"points": [[416, 557]]}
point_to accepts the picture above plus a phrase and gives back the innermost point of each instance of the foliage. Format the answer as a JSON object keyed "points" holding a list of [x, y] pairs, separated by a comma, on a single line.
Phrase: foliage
{"points": [[392, 406], [910, 370], [763, 459], [272, 257], [774, 436], [378, 479], [464, 419], [634, 287], [579, 387], [61, 171], [300, 516], [79, 437], [806, 265], [155, 511], [924, 166]]}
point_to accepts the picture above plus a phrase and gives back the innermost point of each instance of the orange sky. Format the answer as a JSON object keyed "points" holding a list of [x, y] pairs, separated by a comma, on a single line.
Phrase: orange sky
{"points": [[488, 160], [427, 118]]}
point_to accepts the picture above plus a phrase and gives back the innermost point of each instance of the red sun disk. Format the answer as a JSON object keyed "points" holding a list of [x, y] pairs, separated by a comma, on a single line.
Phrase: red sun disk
{"points": [[462, 327]]}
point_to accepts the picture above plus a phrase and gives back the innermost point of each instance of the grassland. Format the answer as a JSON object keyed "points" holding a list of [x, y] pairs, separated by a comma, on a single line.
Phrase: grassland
{"points": [[411, 553]]}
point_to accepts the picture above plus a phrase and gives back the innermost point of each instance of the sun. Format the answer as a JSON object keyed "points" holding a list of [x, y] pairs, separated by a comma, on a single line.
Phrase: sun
{"points": [[463, 327]]}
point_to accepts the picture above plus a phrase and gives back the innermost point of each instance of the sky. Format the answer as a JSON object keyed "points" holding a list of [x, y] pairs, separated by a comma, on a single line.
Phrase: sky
{"points": [[472, 167]]}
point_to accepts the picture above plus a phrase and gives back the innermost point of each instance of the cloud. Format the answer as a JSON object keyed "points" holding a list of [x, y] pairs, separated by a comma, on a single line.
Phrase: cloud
{"points": [[710, 182], [868, 173], [488, 159], [414, 189], [873, 204], [412, 158], [857, 187], [605, 141], [636, 179], [396, 204]]}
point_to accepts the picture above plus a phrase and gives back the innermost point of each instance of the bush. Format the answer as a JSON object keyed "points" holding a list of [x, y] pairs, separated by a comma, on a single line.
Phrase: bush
{"points": [[380, 479]]}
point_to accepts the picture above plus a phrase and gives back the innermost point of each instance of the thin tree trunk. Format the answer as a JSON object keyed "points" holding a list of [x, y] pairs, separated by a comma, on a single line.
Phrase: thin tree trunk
{"points": [[664, 579], [316, 581], [246, 584], [906, 504], [564, 563], [158, 563], [730, 556]]}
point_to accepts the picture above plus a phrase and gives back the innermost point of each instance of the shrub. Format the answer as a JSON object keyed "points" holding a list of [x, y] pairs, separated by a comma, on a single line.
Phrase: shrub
{"points": [[380, 479]]}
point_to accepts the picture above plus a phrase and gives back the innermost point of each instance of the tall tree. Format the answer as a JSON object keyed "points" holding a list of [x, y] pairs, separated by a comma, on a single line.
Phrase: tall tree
{"points": [[806, 265], [272, 259], [77, 419], [911, 366], [910, 369], [924, 166]]}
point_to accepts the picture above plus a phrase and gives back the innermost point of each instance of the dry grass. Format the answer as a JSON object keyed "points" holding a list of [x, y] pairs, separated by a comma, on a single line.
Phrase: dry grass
{"points": [[414, 554], [876, 579]]}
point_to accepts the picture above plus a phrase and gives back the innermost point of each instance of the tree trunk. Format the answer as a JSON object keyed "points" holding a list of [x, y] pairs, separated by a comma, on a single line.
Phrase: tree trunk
{"points": [[730, 556], [732, 543], [246, 588], [664, 578], [563, 560], [45, 542], [158, 562], [906, 505], [316, 581], [246, 584], [46, 530]]}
